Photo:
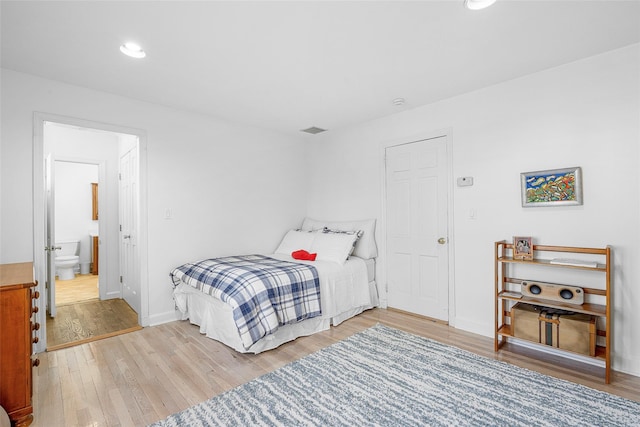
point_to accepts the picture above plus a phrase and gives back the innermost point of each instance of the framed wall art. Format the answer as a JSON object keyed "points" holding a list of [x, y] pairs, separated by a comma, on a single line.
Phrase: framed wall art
{"points": [[556, 187], [522, 248]]}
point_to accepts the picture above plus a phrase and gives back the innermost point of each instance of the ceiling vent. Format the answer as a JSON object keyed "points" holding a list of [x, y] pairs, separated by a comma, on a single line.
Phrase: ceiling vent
{"points": [[313, 130]]}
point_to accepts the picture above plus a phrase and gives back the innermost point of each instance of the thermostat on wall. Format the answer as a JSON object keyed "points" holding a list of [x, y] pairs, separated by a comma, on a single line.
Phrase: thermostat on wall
{"points": [[465, 181]]}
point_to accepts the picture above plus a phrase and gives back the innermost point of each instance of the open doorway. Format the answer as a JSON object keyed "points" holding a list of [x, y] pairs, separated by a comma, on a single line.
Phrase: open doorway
{"points": [[75, 187], [82, 214]]}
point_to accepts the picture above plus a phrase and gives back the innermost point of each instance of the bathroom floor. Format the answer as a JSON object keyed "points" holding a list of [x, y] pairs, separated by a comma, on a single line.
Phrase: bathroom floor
{"points": [[83, 288]]}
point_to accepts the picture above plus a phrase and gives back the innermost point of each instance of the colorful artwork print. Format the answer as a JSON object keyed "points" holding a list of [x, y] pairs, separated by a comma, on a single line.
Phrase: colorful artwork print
{"points": [[552, 187], [544, 188]]}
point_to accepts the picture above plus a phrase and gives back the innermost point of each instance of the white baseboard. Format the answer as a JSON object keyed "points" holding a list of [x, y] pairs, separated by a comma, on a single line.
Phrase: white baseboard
{"points": [[626, 365], [160, 318], [485, 330]]}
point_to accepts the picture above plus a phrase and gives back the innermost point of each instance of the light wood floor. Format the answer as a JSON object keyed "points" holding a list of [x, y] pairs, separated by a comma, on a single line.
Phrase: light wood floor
{"points": [[84, 287], [144, 376]]}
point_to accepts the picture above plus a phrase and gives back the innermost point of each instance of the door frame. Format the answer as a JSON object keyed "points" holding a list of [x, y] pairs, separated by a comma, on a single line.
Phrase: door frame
{"points": [[382, 270], [39, 213]]}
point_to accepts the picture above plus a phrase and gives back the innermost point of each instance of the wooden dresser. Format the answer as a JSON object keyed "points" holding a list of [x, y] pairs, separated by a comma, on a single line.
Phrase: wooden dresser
{"points": [[16, 340]]}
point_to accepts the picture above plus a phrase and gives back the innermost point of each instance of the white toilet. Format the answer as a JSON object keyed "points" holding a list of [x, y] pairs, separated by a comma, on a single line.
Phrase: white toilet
{"points": [[67, 259]]}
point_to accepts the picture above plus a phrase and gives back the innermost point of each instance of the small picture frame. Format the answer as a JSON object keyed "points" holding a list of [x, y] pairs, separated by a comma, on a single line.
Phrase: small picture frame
{"points": [[522, 248]]}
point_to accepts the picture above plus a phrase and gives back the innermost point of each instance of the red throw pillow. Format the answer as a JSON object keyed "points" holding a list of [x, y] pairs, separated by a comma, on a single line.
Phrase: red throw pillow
{"points": [[304, 255]]}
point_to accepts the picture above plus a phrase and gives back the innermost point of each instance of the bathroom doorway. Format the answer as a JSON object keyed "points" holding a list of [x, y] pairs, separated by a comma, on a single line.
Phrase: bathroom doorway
{"points": [[75, 220], [77, 164], [76, 146]]}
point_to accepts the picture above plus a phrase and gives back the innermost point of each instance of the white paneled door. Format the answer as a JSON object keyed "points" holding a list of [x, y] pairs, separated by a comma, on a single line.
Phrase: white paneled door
{"points": [[417, 229], [129, 228], [50, 231]]}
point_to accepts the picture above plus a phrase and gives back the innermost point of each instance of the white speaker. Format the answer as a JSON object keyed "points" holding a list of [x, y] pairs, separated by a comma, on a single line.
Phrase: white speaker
{"points": [[553, 292]]}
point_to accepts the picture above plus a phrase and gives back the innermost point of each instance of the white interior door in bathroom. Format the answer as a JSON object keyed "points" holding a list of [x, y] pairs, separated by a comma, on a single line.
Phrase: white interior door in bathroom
{"points": [[50, 230]]}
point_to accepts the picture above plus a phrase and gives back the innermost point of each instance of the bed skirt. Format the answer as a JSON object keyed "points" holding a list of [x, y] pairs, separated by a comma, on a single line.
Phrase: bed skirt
{"points": [[215, 319]]}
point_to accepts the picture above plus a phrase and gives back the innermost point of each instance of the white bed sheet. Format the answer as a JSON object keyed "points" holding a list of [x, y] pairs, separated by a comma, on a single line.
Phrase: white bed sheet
{"points": [[371, 269], [345, 291]]}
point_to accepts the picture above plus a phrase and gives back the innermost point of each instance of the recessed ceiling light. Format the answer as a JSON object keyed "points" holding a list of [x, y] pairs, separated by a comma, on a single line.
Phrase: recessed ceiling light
{"points": [[313, 130], [133, 50], [478, 4]]}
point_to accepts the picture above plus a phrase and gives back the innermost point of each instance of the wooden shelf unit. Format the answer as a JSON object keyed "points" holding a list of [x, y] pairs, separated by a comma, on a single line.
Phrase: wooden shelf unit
{"points": [[505, 297]]}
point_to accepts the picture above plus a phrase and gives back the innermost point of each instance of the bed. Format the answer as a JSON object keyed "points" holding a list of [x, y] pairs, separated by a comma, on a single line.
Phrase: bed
{"points": [[335, 286]]}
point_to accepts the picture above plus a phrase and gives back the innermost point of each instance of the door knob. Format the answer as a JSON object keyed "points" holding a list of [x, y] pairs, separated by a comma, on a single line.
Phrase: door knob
{"points": [[442, 240], [126, 236]]}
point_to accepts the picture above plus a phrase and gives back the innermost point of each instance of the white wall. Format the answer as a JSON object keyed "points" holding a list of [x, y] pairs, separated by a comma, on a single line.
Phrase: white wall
{"points": [[584, 114], [232, 189]]}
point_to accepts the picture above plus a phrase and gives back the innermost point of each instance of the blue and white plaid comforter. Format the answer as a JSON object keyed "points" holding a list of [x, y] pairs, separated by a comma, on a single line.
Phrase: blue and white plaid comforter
{"points": [[263, 292]]}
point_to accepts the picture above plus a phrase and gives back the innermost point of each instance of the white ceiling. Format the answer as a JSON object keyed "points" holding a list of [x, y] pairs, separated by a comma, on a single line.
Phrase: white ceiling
{"points": [[291, 65]]}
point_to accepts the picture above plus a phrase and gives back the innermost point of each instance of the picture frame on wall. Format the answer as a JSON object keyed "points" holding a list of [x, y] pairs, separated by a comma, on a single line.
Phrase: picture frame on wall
{"points": [[554, 187], [523, 248]]}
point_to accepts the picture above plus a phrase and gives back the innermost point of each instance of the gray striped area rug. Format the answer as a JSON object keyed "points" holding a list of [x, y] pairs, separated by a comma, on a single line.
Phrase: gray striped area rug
{"points": [[386, 377]]}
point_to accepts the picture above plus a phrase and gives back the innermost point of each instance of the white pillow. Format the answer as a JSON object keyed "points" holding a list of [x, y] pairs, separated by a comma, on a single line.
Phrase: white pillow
{"points": [[365, 247], [332, 247], [295, 240], [358, 235]]}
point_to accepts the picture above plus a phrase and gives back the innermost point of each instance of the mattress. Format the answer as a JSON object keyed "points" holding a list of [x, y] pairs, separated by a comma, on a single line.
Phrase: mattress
{"points": [[345, 291]]}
